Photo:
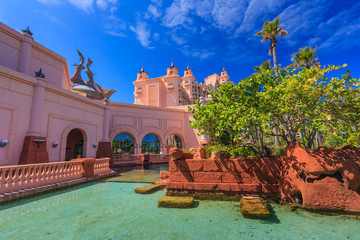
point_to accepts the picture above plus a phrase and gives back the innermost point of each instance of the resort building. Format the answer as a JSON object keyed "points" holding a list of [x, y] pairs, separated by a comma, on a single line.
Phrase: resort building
{"points": [[172, 90], [43, 120]]}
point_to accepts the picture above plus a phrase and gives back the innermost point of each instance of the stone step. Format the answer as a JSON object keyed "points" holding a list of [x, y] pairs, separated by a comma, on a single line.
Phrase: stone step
{"points": [[149, 188], [176, 202], [254, 207]]}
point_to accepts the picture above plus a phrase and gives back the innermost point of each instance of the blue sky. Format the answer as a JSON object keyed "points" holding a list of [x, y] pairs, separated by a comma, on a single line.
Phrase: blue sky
{"points": [[122, 35]]}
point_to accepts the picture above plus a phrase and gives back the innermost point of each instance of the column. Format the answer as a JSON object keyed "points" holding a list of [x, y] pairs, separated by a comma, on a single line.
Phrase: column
{"points": [[37, 108], [105, 136], [25, 52], [34, 148]]}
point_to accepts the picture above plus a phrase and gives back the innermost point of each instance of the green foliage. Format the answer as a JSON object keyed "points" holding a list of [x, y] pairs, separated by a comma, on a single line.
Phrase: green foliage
{"points": [[304, 58], [187, 150], [265, 66], [354, 140], [234, 152], [335, 141], [305, 102]]}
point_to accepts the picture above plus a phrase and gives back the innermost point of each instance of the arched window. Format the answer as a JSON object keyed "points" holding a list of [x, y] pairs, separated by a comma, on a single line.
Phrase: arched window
{"points": [[150, 144], [173, 141], [123, 143]]}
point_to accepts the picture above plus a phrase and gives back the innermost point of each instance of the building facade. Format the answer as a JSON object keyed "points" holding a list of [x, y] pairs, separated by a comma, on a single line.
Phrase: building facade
{"points": [[42, 120], [172, 90]]}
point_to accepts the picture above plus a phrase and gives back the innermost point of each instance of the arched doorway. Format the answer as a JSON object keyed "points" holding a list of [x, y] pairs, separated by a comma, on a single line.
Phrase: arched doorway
{"points": [[74, 145], [173, 141], [123, 143], [150, 144]]}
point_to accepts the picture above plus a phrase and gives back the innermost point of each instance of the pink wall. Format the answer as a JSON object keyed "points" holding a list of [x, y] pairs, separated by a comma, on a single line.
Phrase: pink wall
{"points": [[60, 110]]}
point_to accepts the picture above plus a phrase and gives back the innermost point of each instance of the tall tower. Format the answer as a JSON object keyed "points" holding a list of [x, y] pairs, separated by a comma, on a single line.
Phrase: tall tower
{"points": [[224, 77], [188, 83], [172, 82], [140, 87]]}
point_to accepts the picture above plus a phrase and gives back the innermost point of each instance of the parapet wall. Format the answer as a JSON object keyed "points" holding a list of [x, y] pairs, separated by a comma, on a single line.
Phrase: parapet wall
{"points": [[320, 179], [243, 176]]}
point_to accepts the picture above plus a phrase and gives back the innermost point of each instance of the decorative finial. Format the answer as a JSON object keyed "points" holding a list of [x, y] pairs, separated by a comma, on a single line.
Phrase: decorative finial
{"points": [[223, 69], [187, 68], [143, 70], [27, 31], [40, 74], [172, 63]]}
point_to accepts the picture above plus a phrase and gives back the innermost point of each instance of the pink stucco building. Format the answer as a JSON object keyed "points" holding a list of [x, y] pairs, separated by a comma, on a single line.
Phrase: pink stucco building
{"points": [[172, 89], [44, 121]]}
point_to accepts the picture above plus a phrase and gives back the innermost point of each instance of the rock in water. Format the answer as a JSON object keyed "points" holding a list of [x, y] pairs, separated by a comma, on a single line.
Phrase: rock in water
{"points": [[254, 207], [149, 188], [176, 202]]}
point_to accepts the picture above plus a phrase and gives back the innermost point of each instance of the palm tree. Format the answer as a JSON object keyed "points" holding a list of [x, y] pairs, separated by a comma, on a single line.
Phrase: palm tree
{"points": [[263, 67], [305, 58], [272, 30]]}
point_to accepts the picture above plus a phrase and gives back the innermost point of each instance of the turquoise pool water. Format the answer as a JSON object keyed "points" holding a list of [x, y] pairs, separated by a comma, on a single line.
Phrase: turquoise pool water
{"points": [[112, 210]]}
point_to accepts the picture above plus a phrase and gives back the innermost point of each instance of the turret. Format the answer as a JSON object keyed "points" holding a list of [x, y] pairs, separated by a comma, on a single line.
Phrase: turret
{"points": [[172, 82], [140, 87], [224, 77], [142, 75]]}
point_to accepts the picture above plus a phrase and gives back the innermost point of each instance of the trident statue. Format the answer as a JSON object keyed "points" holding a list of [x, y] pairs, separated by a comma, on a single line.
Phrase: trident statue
{"points": [[92, 90]]}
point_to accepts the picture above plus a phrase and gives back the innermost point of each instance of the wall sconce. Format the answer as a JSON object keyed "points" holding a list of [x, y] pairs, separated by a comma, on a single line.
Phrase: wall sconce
{"points": [[55, 144], [4, 142], [95, 145]]}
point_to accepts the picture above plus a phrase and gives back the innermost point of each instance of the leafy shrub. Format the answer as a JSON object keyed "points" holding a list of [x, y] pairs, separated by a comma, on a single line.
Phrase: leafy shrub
{"points": [[234, 153], [335, 141], [353, 140]]}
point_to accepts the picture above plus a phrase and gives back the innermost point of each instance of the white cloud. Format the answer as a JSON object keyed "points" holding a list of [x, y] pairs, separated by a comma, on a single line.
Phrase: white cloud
{"points": [[177, 13], [49, 1], [85, 5], [198, 53], [153, 11], [142, 31], [178, 40], [117, 34], [156, 36], [103, 4]]}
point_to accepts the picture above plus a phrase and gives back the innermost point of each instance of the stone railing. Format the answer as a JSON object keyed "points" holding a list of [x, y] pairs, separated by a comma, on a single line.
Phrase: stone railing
{"points": [[32, 176], [121, 158], [101, 166], [159, 157], [13, 178]]}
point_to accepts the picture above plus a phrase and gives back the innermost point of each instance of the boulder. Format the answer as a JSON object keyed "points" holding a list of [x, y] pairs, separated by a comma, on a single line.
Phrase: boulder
{"points": [[254, 207], [149, 188], [220, 155], [176, 154], [198, 152], [176, 202], [324, 178], [164, 177]]}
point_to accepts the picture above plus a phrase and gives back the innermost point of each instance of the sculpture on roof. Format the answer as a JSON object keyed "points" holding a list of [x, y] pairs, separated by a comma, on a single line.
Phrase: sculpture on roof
{"points": [[92, 90]]}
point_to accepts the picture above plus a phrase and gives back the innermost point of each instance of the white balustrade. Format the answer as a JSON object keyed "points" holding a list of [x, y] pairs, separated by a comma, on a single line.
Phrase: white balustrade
{"points": [[13, 178]]}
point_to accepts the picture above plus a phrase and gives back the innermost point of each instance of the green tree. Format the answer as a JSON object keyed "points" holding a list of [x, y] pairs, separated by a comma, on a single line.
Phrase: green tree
{"points": [[271, 31], [304, 58], [265, 66], [307, 101], [234, 116]]}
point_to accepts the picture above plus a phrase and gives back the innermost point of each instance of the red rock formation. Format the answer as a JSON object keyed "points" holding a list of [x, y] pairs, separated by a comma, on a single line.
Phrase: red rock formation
{"points": [[321, 178], [198, 152], [164, 177], [176, 153]]}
